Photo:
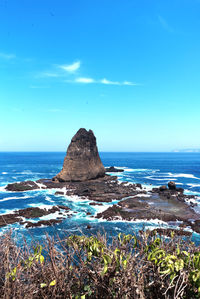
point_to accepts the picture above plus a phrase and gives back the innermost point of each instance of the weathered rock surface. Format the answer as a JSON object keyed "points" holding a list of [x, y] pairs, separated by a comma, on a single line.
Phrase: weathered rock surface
{"points": [[134, 201], [104, 189], [163, 207], [31, 213], [82, 161]]}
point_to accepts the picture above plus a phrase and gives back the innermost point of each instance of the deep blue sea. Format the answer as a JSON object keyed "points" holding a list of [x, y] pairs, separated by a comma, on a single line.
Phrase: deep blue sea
{"points": [[149, 169]]}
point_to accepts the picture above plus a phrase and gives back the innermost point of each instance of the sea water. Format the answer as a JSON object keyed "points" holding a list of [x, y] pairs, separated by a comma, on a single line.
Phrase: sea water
{"points": [[149, 169]]}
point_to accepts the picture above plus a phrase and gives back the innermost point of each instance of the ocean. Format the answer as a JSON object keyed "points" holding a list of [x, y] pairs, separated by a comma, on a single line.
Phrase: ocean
{"points": [[149, 169]]}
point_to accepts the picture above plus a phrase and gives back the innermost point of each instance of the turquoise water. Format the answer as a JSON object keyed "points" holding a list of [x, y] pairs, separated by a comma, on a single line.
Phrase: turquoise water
{"points": [[149, 169]]}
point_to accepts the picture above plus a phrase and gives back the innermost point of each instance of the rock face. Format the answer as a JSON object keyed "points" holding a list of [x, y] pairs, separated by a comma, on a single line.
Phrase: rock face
{"points": [[82, 161]]}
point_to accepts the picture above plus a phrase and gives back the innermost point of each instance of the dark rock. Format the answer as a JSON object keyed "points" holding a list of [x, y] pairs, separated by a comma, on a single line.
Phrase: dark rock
{"points": [[59, 193], [139, 186], [163, 188], [88, 213], [63, 207], [172, 185], [50, 222], [26, 213], [113, 169], [22, 186], [89, 226], [157, 206], [82, 161]]}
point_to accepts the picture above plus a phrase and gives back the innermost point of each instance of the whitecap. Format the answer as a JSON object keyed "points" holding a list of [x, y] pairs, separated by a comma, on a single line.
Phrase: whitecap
{"points": [[4, 172], [194, 185], [185, 175], [26, 172], [136, 169]]}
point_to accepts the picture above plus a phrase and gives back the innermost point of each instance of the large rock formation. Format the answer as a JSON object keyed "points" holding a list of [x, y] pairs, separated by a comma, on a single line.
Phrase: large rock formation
{"points": [[82, 161]]}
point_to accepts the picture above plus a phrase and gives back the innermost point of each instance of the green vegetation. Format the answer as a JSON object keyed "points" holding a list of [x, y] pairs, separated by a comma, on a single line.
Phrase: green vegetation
{"points": [[81, 267]]}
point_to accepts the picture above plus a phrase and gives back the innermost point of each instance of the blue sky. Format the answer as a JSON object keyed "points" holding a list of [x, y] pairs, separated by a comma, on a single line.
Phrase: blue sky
{"points": [[129, 70]]}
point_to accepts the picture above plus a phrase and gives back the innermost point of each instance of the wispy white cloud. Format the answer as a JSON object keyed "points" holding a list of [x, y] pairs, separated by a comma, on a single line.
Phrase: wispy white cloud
{"points": [[165, 24], [71, 68], [130, 83], [7, 56], [70, 72], [108, 82], [104, 81], [84, 80]]}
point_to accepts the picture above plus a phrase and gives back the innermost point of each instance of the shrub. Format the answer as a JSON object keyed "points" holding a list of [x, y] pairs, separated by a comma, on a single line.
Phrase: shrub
{"points": [[146, 266]]}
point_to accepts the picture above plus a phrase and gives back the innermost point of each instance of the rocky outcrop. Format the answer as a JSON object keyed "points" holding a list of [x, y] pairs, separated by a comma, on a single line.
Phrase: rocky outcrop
{"points": [[134, 202], [82, 161], [20, 216], [114, 169], [172, 185]]}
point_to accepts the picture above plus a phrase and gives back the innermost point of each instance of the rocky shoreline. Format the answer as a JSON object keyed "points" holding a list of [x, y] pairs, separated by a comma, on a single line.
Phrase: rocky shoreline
{"points": [[166, 203], [84, 175]]}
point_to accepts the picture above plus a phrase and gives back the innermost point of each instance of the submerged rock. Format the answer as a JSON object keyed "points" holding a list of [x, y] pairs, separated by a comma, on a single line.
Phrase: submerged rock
{"points": [[82, 161]]}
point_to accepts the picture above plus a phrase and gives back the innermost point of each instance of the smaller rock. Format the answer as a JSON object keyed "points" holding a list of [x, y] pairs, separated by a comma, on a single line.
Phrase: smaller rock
{"points": [[180, 190], [59, 193], [114, 169], [172, 185], [163, 188], [139, 186], [95, 204]]}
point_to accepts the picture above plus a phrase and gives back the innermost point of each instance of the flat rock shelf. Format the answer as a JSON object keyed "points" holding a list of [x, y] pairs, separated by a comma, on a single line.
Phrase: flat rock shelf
{"points": [[134, 202]]}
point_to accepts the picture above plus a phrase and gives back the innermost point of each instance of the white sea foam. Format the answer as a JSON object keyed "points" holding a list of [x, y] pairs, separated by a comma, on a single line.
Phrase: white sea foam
{"points": [[7, 211], [3, 189], [50, 216], [176, 175], [4, 172], [151, 177], [26, 172], [142, 195], [49, 199], [189, 192], [14, 197], [194, 185], [77, 199], [40, 185], [185, 175], [136, 169], [100, 209], [139, 221]]}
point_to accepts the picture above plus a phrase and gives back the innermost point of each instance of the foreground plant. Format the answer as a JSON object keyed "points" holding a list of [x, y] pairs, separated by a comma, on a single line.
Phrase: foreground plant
{"points": [[81, 267]]}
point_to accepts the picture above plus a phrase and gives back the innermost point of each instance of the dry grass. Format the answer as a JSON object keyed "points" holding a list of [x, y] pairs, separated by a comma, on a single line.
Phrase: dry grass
{"points": [[86, 267]]}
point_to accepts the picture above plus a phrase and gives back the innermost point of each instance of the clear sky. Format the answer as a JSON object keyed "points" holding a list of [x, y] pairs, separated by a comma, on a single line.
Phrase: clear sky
{"points": [[127, 69]]}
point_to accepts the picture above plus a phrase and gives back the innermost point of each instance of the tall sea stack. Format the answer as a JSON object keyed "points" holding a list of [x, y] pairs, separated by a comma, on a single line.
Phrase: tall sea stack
{"points": [[82, 161]]}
